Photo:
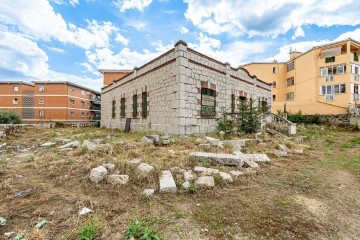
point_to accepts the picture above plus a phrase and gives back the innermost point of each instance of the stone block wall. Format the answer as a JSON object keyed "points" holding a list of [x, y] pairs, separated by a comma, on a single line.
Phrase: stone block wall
{"points": [[173, 82]]}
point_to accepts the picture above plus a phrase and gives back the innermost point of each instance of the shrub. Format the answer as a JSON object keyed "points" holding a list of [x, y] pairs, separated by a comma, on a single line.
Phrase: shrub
{"points": [[302, 118], [225, 123], [59, 125], [9, 117], [141, 230], [248, 119], [89, 230]]}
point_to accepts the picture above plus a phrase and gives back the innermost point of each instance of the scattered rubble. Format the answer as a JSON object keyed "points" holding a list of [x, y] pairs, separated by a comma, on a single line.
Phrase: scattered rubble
{"points": [[145, 169], [148, 192], [205, 146], [8, 234], [236, 173], [185, 185], [279, 153], [206, 171], [47, 144], [167, 182], [98, 174], [226, 177], [89, 145], [72, 144], [134, 162], [25, 193], [217, 158], [259, 157], [109, 166], [41, 224], [116, 179], [189, 175], [2, 221], [205, 181]]}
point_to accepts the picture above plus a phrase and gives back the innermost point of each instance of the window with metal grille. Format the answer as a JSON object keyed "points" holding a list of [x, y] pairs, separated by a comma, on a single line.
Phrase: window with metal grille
{"points": [[113, 109], [144, 105], [290, 81], [232, 103], [208, 102], [290, 96], [290, 66], [135, 106], [122, 107]]}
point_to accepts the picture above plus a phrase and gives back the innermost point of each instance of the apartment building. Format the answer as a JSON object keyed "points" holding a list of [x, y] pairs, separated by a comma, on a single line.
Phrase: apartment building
{"points": [[323, 80], [180, 92], [45, 101]]}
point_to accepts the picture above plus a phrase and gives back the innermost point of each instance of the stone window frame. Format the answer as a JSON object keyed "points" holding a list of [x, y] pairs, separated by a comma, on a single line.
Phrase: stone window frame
{"points": [[208, 92]]}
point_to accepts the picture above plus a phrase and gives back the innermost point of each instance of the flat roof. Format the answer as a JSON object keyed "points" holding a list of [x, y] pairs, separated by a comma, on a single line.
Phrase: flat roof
{"points": [[66, 82], [114, 71], [17, 82]]}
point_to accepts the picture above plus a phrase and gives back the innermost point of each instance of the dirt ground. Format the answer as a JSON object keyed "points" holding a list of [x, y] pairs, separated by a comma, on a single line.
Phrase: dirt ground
{"points": [[314, 195]]}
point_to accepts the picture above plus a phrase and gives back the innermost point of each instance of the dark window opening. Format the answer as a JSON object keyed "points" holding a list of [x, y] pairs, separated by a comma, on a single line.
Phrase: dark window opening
{"points": [[208, 102], [135, 113], [122, 107], [144, 105], [113, 114], [330, 59], [232, 103]]}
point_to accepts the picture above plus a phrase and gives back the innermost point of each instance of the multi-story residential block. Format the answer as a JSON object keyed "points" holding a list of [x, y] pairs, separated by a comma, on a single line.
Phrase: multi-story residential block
{"points": [[180, 92], [323, 80], [45, 101]]}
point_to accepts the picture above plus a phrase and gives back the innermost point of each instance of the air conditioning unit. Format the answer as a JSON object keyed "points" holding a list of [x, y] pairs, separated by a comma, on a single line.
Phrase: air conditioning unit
{"points": [[329, 97], [330, 78]]}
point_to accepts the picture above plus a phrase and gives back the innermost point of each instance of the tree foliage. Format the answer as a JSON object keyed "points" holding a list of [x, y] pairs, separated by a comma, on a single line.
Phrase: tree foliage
{"points": [[9, 117]]}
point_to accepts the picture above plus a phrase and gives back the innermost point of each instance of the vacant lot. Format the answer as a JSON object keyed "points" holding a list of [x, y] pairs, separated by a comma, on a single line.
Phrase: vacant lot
{"points": [[314, 195]]}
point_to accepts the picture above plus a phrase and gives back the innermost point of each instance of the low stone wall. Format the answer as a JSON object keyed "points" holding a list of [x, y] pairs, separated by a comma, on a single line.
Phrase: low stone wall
{"points": [[337, 119], [355, 120]]}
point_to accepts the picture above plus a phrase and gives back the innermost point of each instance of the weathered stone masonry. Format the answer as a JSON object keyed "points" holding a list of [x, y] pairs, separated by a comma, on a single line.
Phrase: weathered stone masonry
{"points": [[173, 84]]}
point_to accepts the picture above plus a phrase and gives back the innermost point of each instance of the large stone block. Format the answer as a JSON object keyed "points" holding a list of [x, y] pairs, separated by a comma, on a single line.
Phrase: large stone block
{"points": [[167, 182], [217, 158]]}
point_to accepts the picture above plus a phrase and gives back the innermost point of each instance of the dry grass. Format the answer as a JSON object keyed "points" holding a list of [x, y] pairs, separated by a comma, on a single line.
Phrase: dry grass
{"points": [[292, 198]]}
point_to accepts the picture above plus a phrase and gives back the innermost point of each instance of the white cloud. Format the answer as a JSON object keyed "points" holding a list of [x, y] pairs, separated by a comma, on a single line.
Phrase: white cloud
{"points": [[184, 30], [140, 5], [92, 83], [55, 49], [299, 32], [65, 2], [74, 2], [352, 34], [121, 39], [269, 18], [23, 56], [42, 22]]}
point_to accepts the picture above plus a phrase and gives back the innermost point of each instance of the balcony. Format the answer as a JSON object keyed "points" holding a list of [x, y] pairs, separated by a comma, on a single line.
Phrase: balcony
{"points": [[95, 107], [356, 57]]}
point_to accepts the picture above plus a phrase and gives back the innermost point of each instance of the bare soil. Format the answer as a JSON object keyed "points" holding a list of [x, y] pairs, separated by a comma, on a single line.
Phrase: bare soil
{"points": [[315, 195]]}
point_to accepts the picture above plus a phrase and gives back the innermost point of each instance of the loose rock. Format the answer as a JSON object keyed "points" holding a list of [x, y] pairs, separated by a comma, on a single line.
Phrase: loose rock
{"points": [[85, 211], [189, 175], [280, 153], [226, 177], [148, 192], [90, 145], [47, 144], [109, 166], [185, 185], [134, 162], [206, 171], [98, 174], [145, 169], [116, 179], [217, 158], [72, 144], [205, 146]]}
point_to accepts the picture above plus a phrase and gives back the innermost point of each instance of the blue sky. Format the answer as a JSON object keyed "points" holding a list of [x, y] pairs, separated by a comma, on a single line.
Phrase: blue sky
{"points": [[72, 39]]}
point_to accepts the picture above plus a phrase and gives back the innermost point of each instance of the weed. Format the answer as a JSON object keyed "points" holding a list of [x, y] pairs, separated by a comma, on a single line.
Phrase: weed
{"points": [[217, 179], [179, 214], [70, 161], [89, 229], [212, 216], [143, 230], [31, 158], [178, 182], [329, 142], [347, 145], [192, 188], [84, 150], [284, 202]]}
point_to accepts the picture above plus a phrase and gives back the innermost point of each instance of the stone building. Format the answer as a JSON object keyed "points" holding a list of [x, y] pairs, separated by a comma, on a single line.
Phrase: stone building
{"points": [[180, 92]]}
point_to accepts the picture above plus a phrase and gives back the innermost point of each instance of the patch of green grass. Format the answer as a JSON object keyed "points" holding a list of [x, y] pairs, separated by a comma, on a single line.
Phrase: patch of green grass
{"points": [[84, 150], [347, 145], [179, 214], [350, 163], [142, 229], [213, 216], [284, 202], [217, 179], [328, 142], [355, 140], [192, 188], [89, 229]]}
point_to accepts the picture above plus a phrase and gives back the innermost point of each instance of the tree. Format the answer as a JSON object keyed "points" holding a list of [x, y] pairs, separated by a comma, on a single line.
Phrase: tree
{"points": [[9, 117]]}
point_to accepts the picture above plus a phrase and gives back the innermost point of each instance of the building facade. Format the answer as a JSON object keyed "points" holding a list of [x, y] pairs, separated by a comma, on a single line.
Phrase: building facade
{"points": [[50, 101], [323, 80], [180, 92], [110, 75]]}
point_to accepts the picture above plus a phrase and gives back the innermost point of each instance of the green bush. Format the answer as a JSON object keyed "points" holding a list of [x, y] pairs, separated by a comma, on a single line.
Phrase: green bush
{"points": [[9, 117], [302, 118], [89, 230], [225, 123]]}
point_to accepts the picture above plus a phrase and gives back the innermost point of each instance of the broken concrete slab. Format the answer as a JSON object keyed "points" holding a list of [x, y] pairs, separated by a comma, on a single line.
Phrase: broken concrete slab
{"points": [[205, 170], [236, 173], [167, 182], [147, 140], [134, 162], [226, 177], [213, 141], [259, 157], [236, 144], [250, 163], [205, 146], [205, 181], [185, 185], [217, 158], [145, 169], [116, 179], [72, 144], [284, 148], [154, 138], [47, 144], [98, 174], [298, 151]]}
